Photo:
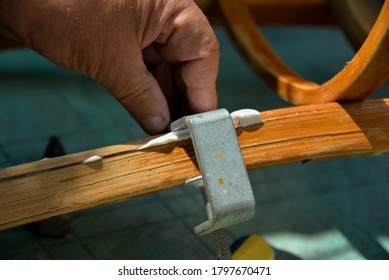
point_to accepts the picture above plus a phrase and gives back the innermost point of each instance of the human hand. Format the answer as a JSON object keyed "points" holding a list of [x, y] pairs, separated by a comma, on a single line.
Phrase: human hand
{"points": [[159, 58]]}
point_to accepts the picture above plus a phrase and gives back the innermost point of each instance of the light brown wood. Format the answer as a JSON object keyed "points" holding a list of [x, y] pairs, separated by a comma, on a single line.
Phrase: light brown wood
{"points": [[61, 185], [364, 74]]}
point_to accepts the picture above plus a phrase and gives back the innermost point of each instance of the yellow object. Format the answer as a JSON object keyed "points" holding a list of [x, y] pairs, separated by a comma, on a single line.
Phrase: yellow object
{"points": [[254, 248]]}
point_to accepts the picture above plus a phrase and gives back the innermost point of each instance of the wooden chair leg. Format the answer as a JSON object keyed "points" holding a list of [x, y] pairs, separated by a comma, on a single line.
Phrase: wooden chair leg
{"points": [[365, 73]]}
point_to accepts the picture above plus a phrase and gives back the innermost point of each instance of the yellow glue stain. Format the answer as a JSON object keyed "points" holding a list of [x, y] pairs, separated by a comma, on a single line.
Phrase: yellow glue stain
{"points": [[220, 181], [219, 154]]}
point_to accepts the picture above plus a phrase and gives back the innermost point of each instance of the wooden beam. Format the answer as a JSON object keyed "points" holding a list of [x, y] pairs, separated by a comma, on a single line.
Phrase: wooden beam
{"points": [[51, 187]]}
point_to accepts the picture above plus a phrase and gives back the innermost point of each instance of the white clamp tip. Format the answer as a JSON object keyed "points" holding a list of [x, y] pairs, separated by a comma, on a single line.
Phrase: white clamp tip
{"points": [[246, 117], [92, 159]]}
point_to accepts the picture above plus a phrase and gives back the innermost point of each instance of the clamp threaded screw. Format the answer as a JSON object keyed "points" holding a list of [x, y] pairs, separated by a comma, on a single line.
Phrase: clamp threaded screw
{"points": [[220, 235]]}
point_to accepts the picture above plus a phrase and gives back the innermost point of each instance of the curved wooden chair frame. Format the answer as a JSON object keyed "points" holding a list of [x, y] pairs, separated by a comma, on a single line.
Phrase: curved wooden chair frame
{"points": [[364, 74], [50, 187]]}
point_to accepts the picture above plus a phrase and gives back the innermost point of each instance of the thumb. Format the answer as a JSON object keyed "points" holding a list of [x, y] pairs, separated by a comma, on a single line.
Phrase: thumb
{"points": [[139, 92]]}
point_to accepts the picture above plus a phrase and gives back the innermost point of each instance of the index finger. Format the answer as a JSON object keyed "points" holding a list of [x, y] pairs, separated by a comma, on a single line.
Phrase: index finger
{"points": [[190, 41], [199, 76]]}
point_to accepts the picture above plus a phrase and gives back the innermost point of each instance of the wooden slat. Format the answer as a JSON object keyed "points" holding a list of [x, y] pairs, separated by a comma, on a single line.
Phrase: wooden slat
{"points": [[61, 185]]}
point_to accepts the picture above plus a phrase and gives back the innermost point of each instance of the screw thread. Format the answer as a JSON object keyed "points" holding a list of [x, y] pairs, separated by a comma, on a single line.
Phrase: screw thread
{"points": [[220, 235], [206, 202], [222, 247]]}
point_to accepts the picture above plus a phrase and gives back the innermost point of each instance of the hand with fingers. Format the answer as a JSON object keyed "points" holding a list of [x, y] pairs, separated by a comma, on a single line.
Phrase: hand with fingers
{"points": [[159, 58]]}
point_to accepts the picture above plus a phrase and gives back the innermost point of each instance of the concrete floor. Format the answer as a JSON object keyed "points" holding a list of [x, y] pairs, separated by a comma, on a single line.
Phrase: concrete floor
{"points": [[335, 209]]}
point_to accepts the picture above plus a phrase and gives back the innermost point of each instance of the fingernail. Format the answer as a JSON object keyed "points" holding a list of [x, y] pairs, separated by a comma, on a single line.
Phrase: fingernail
{"points": [[154, 125]]}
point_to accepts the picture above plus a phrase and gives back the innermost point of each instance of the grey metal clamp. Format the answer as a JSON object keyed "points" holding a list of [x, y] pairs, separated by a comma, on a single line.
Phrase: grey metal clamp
{"points": [[226, 183]]}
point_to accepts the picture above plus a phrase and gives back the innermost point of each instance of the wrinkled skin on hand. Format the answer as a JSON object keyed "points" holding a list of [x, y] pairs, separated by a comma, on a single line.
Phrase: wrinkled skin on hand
{"points": [[159, 58]]}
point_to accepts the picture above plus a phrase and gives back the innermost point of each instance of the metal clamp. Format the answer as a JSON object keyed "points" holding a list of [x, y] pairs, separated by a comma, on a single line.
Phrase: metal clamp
{"points": [[226, 184]]}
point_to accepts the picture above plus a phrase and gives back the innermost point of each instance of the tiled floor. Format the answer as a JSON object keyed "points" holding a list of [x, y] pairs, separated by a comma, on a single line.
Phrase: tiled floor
{"points": [[336, 209]]}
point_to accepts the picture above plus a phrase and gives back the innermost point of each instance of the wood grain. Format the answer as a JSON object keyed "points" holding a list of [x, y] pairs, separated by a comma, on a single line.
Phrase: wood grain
{"points": [[51, 187]]}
